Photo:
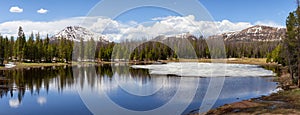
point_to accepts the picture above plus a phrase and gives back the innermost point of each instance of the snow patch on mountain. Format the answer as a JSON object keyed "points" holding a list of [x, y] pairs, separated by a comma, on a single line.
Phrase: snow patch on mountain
{"points": [[75, 33], [254, 33]]}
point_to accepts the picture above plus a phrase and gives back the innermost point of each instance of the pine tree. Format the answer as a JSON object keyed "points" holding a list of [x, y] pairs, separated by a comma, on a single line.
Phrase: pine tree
{"points": [[30, 48], [11, 48], [39, 48], [290, 52], [51, 52], [92, 49], [1, 50], [61, 49], [86, 50], [45, 49], [6, 48], [20, 44], [68, 50], [81, 49]]}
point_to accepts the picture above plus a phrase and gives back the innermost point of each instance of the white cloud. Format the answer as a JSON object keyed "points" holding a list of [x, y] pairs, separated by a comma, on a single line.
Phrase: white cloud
{"points": [[16, 9], [226, 25], [174, 25], [42, 11], [41, 100], [268, 23], [14, 103], [117, 31], [11, 28]]}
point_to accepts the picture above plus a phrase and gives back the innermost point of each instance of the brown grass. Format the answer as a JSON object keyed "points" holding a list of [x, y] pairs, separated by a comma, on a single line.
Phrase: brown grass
{"points": [[34, 65], [257, 61], [284, 102]]}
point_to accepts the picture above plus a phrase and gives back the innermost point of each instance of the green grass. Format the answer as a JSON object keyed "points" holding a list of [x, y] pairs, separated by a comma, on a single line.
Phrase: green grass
{"points": [[25, 65], [39, 64], [257, 61]]}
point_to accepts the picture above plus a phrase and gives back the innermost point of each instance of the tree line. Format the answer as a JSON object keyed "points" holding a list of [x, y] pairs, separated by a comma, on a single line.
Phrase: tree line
{"points": [[36, 49], [287, 53], [24, 79], [174, 48]]}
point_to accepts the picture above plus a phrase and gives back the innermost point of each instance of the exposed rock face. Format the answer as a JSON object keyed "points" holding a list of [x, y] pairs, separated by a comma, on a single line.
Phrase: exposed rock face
{"points": [[254, 33], [75, 33]]}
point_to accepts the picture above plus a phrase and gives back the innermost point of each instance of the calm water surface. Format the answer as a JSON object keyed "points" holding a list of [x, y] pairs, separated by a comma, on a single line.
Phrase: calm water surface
{"points": [[70, 90]]}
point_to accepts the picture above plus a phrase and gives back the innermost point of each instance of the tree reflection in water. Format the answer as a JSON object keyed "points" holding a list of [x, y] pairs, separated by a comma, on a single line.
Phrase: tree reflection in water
{"points": [[37, 79], [118, 82]]}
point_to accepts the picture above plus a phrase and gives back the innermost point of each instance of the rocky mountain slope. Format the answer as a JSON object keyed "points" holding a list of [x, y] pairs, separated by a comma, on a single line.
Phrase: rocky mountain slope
{"points": [[254, 33], [75, 33]]}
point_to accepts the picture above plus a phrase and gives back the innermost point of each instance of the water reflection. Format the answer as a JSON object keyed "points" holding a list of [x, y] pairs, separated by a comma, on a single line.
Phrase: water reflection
{"points": [[14, 103], [42, 100], [54, 90]]}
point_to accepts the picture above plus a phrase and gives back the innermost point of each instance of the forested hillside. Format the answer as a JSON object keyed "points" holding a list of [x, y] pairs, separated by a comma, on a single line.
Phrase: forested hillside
{"points": [[62, 49]]}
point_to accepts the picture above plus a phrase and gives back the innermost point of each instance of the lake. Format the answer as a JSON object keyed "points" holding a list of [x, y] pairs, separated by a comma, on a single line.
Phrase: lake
{"points": [[173, 88]]}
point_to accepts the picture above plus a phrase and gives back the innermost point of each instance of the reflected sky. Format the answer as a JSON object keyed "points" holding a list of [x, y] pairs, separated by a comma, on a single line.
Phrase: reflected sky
{"points": [[72, 89]]}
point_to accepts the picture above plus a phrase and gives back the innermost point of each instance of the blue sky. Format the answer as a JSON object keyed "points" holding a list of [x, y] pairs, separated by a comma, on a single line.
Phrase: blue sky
{"points": [[57, 9], [233, 10], [51, 16], [250, 10]]}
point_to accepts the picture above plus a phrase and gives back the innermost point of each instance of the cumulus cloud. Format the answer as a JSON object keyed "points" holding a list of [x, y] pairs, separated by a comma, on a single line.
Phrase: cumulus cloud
{"points": [[269, 23], [16, 9], [14, 103], [11, 28], [118, 31], [42, 11], [41, 100], [172, 25]]}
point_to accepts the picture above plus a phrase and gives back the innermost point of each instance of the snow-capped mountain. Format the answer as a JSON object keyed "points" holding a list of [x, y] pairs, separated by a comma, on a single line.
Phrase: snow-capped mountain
{"points": [[254, 33], [75, 33]]}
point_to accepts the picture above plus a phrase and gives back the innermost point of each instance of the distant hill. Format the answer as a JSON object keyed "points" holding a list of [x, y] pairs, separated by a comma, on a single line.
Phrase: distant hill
{"points": [[75, 33], [254, 33]]}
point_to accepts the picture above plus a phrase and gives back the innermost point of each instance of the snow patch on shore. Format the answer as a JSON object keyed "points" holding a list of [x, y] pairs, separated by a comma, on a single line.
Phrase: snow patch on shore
{"points": [[207, 70]]}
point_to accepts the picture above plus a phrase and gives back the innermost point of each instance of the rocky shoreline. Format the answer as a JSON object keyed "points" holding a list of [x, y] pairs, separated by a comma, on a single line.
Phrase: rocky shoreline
{"points": [[286, 101]]}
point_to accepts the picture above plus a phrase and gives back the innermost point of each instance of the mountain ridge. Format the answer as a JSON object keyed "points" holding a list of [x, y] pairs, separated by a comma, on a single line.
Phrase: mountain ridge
{"points": [[75, 33], [253, 33]]}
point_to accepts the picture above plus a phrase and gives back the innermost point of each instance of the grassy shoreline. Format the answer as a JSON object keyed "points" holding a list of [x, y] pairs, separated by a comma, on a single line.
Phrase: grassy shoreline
{"points": [[255, 61], [33, 65], [283, 102]]}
